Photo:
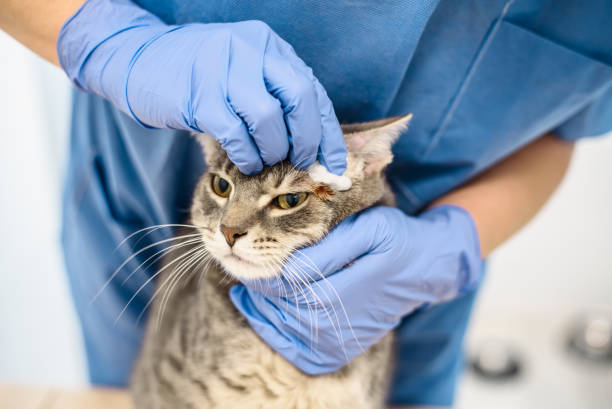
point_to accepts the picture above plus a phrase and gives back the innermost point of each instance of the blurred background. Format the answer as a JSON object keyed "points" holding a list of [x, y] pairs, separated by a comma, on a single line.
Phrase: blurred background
{"points": [[540, 336]]}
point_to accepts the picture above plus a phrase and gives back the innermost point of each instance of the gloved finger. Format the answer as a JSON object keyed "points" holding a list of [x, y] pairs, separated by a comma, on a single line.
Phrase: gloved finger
{"points": [[406, 293], [332, 149], [280, 331], [351, 239], [249, 303], [252, 102], [234, 138], [264, 316], [298, 100], [241, 150], [264, 120]]}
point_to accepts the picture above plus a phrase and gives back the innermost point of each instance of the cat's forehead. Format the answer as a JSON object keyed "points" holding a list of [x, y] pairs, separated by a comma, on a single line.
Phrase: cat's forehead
{"points": [[281, 177]]}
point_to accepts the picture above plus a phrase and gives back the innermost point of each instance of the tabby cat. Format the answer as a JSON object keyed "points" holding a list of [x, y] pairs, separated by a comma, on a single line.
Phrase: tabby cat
{"points": [[199, 352]]}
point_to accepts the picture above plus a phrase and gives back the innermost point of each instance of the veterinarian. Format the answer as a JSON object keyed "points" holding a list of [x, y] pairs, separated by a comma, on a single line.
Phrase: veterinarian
{"points": [[499, 89]]}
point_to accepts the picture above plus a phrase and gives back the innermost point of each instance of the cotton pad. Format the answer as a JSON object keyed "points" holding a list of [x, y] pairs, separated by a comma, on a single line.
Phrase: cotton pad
{"points": [[318, 173]]}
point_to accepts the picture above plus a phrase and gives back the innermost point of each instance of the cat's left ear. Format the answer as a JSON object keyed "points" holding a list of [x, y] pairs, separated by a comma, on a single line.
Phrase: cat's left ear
{"points": [[212, 149], [371, 142]]}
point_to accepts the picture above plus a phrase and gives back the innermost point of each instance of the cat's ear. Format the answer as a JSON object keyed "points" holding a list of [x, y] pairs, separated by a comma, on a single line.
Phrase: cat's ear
{"points": [[212, 149], [371, 142]]}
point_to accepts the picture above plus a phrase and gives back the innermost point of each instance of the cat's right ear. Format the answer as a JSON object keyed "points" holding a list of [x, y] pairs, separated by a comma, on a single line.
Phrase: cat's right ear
{"points": [[371, 142], [211, 148]]}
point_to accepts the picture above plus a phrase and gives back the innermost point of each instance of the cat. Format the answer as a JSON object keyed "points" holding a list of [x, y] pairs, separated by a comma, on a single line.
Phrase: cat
{"points": [[199, 352]]}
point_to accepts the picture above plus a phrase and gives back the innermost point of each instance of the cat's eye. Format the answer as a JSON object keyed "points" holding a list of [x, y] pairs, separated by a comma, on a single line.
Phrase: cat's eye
{"points": [[221, 186], [290, 200]]}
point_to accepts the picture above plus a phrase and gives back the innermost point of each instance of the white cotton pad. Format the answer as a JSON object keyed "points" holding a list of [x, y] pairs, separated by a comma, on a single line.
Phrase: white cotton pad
{"points": [[318, 173]]}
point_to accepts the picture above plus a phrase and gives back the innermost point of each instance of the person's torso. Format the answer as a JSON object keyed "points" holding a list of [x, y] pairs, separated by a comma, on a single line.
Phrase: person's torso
{"points": [[481, 77]]}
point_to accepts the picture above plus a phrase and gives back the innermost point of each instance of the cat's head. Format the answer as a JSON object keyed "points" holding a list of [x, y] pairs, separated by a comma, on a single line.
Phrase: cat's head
{"points": [[251, 224]]}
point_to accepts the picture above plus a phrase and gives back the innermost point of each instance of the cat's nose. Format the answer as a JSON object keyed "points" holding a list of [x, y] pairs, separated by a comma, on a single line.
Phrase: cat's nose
{"points": [[232, 233]]}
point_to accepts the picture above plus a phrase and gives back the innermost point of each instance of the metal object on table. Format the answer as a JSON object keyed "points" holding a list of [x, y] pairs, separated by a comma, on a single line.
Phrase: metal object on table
{"points": [[591, 337], [496, 360]]}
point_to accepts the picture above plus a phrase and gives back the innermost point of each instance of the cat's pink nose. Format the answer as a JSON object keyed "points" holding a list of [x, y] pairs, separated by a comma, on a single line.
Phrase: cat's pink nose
{"points": [[232, 233]]}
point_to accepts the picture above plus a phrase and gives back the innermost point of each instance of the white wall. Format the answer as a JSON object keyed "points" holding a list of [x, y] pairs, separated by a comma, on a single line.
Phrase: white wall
{"points": [[39, 338], [559, 266]]}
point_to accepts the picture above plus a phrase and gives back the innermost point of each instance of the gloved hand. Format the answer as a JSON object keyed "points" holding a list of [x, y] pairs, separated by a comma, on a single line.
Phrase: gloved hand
{"points": [[239, 82], [401, 263]]}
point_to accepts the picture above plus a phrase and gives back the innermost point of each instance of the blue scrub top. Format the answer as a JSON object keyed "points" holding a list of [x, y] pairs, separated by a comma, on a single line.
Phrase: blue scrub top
{"points": [[482, 78]]}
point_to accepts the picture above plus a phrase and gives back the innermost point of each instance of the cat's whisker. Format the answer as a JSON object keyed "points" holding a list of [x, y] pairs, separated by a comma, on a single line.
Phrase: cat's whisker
{"points": [[313, 266], [196, 260], [183, 269], [153, 298], [152, 229], [311, 314], [327, 296], [176, 273], [288, 259], [335, 325], [316, 301], [295, 284], [294, 281], [204, 261], [159, 254], [149, 280], [293, 276], [273, 268], [295, 270], [226, 279], [296, 254], [204, 269], [292, 285], [156, 228], [155, 294], [110, 279]]}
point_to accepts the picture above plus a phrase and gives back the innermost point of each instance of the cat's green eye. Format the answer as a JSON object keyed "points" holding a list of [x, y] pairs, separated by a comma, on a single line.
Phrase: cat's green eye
{"points": [[221, 186], [290, 200]]}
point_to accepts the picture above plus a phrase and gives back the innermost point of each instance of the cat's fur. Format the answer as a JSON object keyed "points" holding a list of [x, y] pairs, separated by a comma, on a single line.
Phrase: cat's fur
{"points": [[203, 354]]}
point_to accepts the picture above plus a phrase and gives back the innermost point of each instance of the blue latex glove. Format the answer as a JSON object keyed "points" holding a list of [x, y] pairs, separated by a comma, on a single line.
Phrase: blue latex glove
{"points": [[401, 263], [239, 82]]}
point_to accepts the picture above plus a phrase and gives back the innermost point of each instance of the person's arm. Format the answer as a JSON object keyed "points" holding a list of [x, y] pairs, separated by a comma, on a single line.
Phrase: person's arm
{"points": [[503, 199], [36, 24], [239, 82]]}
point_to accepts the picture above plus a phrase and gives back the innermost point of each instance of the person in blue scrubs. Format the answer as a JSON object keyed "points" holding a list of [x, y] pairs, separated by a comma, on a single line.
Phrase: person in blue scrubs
{"points": [[496, 87]]}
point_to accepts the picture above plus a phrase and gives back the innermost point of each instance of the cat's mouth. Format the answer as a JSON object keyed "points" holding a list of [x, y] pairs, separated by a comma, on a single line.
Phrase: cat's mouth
{"points": [[241, 261], [232, 256]]}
